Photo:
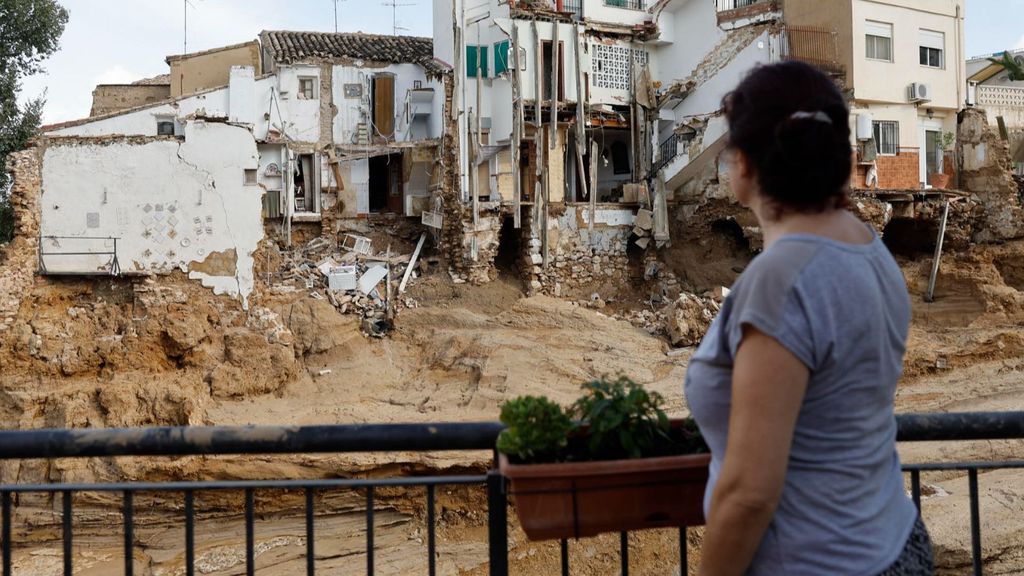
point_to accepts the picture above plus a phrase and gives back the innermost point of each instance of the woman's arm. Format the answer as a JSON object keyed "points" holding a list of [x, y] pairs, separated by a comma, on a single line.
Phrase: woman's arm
{"points": [[768, 386]]}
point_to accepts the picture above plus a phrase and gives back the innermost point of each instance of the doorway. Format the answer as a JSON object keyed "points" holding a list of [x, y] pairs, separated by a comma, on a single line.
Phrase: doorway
{"points": [[306, 184], [930, 138], [384, 105], [386, 184]]}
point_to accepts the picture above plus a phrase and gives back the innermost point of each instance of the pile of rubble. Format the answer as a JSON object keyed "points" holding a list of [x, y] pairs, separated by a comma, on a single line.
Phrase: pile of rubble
{"points": [[683, 321], [354, 278]]}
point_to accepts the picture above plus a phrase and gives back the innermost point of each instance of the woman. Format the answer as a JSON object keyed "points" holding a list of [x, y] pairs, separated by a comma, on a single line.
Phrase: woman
{"points": [[793, 387]]}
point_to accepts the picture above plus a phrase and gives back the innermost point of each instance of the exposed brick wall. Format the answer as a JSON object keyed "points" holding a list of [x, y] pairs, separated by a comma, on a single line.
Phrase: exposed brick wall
{"points": [[902, 171]]}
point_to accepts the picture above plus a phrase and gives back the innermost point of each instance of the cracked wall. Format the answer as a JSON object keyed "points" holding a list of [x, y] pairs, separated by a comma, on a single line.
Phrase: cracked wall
{"points": [[171, 205]]}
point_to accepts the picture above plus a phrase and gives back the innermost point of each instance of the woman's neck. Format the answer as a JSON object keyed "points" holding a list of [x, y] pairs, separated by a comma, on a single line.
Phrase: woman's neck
{"points": [[838, 225]]}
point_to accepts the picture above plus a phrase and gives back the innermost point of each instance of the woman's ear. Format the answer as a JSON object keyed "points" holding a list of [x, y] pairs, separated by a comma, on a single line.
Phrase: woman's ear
{"points": [[742, 177]]}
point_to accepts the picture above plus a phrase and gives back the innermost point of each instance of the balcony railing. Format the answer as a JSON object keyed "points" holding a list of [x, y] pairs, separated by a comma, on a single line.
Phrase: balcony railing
{"points": [[628, 4], [574, 7], [197, 441], [78, 255], [818, 47], [727, 5], [667, 152]]}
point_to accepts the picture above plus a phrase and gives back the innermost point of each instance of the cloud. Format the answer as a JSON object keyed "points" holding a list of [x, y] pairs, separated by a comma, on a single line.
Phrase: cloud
{"points": [[116, 74]]}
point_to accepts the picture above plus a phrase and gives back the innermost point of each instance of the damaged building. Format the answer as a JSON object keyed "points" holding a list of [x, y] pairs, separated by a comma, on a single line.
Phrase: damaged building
{"points": [[340, 127], [570, 144]]}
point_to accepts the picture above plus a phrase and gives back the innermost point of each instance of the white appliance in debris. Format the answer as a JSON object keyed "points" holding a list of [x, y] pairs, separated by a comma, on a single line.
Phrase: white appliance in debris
{"points": [[919, 92], [342, 278]]}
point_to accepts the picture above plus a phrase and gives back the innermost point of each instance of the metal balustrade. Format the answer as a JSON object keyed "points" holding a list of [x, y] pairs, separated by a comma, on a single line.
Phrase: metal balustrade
{"points": [[194, 441]]}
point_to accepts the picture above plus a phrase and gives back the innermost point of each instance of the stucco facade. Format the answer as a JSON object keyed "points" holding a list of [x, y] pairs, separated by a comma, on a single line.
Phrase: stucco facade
{"points": [[191, 73]]}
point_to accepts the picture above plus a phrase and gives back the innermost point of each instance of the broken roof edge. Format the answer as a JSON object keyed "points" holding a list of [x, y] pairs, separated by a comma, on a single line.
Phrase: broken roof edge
{"points": [[173, 100], [176, 57]]}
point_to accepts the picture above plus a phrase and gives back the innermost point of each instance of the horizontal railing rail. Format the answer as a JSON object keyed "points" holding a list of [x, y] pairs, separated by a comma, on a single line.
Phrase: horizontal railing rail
{"points": [[440, 437], [50, 246]]}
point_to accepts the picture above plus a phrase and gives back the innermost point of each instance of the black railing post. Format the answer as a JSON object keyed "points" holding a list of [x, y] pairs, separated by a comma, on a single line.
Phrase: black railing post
{"points": [[497, 523]]}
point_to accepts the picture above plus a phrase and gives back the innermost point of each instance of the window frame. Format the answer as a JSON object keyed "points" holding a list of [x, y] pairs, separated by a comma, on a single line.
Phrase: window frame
{"points": [[876, 133], [476, 54], [301, 93], [871, 40], [931, 41]]}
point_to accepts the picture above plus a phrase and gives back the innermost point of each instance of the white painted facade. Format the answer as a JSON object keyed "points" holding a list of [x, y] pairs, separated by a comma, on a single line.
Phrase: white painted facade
{"points": [[172, 205], [881, 86]]}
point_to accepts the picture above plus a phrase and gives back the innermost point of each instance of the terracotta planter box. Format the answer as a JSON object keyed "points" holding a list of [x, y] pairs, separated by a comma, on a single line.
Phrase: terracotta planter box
{"points": [[577, 500], [939, 180]]}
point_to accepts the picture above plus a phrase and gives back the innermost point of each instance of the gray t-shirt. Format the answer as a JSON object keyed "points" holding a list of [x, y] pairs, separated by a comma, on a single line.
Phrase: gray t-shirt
{"points": [[843, 310]]}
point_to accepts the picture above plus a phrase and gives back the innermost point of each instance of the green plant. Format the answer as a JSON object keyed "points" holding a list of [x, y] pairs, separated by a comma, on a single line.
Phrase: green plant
{"points": [[1013, 68], [538, 429], [623, 420], [946, 140]]}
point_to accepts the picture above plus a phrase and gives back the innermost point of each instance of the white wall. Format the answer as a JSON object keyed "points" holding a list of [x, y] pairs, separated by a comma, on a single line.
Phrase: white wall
{"points": [[692, 28], [886, 82], [353, 111], [598, 11], [173, 205], [707, 98]]}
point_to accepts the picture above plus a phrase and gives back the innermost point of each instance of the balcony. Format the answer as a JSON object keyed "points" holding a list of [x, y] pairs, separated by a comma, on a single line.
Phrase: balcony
{"points": [[627, 4], [181, 502], [736, 13], [818, 47]]}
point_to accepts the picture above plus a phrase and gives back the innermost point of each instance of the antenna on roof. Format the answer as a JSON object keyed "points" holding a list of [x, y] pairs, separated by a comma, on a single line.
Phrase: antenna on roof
{"points": [[186, 7], [336, 14], [395, 5]]}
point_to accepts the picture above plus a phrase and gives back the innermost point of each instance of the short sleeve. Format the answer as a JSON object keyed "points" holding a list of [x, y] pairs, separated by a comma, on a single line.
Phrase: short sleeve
{"points": [[771, 300]]}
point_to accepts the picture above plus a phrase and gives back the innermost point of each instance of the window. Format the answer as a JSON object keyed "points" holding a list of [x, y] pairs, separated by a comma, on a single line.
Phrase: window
{"points": [[502, 57], [887, 137], [165, 127], [879, 41], [933, 46], [472, 54], [307, 88], [249, 177]]}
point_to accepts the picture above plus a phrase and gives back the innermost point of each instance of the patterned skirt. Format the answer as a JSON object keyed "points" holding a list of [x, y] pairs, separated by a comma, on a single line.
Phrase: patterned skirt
{"points": [[916, 558]]}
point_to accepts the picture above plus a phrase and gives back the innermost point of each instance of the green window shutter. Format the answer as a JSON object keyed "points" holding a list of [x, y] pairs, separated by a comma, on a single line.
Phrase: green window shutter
{"points": [[471, 60], [501, 56]]}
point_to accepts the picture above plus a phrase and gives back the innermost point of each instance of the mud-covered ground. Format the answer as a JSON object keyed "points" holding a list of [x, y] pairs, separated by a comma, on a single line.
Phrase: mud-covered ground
{"points": [[164, 351]]}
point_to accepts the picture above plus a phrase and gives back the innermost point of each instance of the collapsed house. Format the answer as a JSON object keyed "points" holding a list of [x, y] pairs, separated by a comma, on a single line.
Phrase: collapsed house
{"points": [[586, 126], [342, 126], [569, 142]]}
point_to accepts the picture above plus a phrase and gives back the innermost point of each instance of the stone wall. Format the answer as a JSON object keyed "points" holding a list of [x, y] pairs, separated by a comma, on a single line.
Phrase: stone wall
{"points": [[109, 98], [18, 259], [580, 261], [987, 173]]}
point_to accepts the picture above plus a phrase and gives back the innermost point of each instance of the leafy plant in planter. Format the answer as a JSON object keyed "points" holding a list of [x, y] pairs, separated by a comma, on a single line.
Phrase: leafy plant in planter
{"points": [[612, 462]]}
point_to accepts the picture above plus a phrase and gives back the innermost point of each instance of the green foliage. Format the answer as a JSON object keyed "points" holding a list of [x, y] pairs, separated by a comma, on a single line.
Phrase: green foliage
{"points": [[538, 429], [623, 419], [946, 140], [31, 31], [614, 419], [1007, 61]]}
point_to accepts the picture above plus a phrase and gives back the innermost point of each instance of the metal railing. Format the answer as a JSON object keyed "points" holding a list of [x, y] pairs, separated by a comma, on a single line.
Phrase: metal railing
{"points": [[727, 5], [574, 7], [50, 246], [196, 441], [628, 4], [667, 152], [818, 47]]}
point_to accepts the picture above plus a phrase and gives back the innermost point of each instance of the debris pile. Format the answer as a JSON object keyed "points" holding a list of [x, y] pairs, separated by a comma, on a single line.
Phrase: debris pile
{"points": [[354, 279]]}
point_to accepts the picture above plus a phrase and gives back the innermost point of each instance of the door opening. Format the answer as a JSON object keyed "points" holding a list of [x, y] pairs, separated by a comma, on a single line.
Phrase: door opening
{"points": [[386, 184], [307, 185]]}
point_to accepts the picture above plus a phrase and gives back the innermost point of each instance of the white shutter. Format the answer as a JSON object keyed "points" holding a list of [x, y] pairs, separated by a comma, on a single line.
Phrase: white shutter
{"points": [[930, 39], [878, 29]]}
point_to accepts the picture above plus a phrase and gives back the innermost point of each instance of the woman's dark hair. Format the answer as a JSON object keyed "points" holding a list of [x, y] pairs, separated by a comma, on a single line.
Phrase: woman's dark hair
{"points": [[792, 123]]}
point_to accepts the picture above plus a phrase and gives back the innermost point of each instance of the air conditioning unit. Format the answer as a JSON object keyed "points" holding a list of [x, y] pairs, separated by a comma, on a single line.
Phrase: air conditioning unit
{"points": [[918, 92]]}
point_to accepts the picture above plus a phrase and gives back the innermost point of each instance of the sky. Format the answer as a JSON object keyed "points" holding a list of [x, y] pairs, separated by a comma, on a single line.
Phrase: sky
{"points": [[120, 41]]}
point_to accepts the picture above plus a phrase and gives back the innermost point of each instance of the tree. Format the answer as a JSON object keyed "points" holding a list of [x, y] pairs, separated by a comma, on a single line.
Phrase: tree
{"points": [[1007, 61], [30, 31]]}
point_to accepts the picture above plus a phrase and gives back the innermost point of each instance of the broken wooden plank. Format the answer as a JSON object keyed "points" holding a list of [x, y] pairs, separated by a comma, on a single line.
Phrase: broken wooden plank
{"points": [[412, 264], [517, 130]]}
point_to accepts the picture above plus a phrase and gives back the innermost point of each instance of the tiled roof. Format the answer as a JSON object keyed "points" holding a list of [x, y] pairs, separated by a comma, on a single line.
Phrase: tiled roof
{"points": [[287, 47]]}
